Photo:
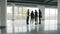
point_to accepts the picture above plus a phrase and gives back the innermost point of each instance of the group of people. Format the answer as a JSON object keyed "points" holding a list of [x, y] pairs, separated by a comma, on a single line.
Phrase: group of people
{"points": [[34, 16]]}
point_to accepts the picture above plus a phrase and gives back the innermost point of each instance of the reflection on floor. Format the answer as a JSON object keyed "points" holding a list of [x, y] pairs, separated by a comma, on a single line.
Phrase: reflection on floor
{"points": [[49, 27]]}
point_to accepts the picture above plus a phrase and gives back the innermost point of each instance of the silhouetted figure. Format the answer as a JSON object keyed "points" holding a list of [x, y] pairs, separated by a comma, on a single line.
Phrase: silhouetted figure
{"points": [[32, 17], [27, 14], [36, 16], [40, 16]]}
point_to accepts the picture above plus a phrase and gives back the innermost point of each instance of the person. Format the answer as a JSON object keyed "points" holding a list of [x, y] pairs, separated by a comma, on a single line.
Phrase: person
{"points": [[27, 14], [32, 17], [40, 16], [36, 15]]}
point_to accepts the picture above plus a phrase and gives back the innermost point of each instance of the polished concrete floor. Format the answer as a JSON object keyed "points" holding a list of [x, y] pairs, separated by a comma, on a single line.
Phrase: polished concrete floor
{"points": [[46, 27]]}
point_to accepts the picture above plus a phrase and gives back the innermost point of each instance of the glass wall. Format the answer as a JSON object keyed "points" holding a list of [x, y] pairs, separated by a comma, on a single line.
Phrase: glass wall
{"points": [[9, 19], [17, 23], [51, 13], [51, 18]]}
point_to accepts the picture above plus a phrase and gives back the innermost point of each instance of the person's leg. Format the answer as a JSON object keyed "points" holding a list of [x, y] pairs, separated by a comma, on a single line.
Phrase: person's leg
{"points": [[27, 20], [39, 21], [35, 20], [30, 20]]}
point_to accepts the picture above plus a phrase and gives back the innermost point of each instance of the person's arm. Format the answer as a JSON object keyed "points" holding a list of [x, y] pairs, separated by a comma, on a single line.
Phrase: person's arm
{"points": [[41, 14]]}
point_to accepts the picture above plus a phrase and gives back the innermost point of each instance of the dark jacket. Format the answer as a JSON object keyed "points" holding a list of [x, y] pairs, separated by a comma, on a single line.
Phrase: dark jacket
{"points": [[32, 15], [36, 14], [40, 14]]}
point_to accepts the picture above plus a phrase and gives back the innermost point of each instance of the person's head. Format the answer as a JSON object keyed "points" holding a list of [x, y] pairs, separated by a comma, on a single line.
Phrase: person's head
{"points": [[28, 10], [32, 11]]}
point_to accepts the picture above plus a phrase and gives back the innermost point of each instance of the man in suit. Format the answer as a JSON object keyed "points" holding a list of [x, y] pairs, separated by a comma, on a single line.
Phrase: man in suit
{"points": [[40, 16]]}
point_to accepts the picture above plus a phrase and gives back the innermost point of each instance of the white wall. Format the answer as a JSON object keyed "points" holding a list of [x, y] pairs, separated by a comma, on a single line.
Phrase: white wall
{"points": [[3, 4], [58, 11], [0, 15], [3, 12]]}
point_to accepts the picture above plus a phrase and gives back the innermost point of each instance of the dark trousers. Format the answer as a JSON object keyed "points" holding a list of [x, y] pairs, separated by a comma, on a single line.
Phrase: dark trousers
{"points": [[36, 19], [39, 20], [27, 20]]}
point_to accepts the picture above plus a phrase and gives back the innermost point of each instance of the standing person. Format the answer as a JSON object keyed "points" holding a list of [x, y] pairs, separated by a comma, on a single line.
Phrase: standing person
{"points": [[32, 17], [40, 16], [36, 16], [27, 15]]}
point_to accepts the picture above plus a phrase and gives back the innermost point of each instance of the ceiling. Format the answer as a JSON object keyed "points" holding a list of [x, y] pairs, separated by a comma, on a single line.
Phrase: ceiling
{"points": [[42, 2]]}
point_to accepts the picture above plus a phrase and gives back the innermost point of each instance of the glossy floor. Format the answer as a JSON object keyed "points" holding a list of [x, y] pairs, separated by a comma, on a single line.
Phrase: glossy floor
{"points": [[46, 27]]}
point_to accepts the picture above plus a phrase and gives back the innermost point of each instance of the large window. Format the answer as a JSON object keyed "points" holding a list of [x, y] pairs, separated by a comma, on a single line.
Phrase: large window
{"points": [[9, 19], [51, 18], [16, 18], [51, 14]]}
